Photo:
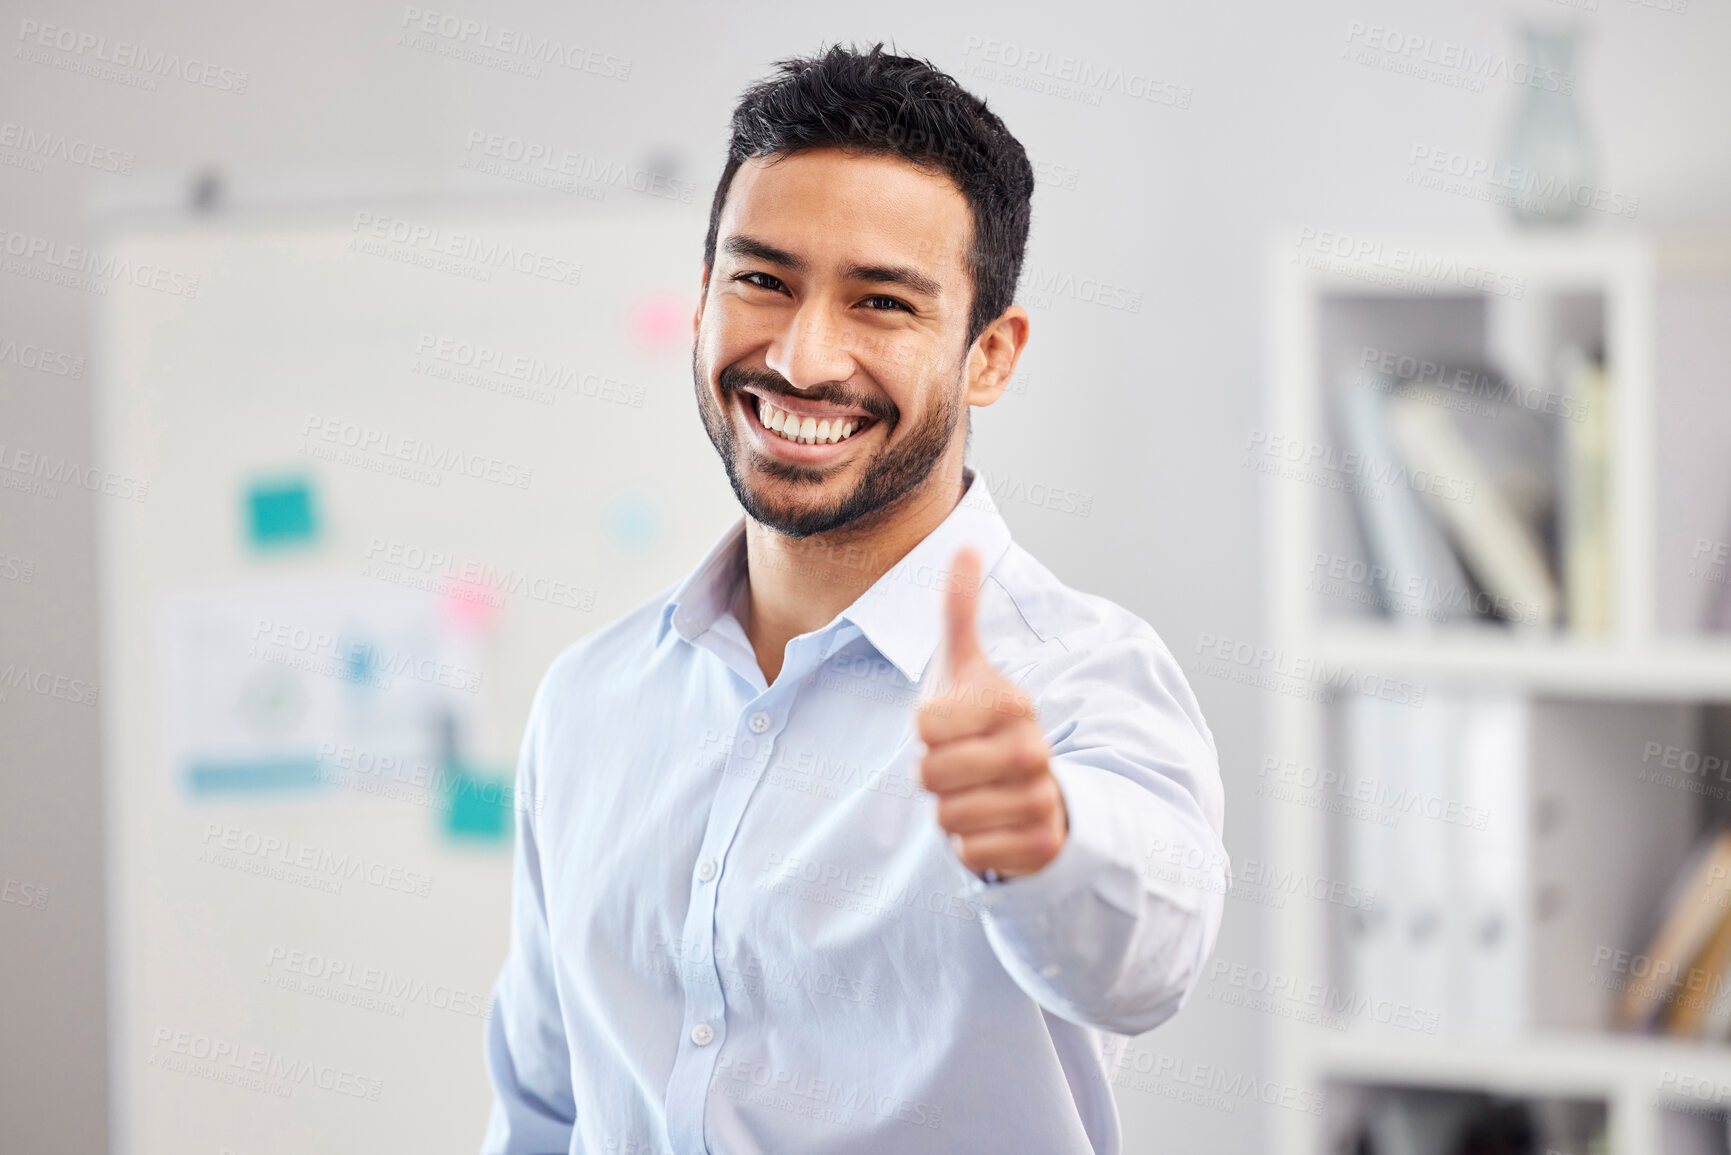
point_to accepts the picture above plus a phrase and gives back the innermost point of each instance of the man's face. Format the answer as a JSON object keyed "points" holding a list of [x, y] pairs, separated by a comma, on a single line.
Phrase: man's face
{"points": [[837, 308]]}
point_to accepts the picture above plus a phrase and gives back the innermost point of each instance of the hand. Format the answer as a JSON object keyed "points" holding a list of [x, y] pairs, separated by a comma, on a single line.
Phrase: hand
{"points": [[986, 759]]}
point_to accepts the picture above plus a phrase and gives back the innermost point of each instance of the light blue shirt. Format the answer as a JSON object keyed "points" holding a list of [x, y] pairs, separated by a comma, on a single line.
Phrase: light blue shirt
{"points": [[737, 926]]}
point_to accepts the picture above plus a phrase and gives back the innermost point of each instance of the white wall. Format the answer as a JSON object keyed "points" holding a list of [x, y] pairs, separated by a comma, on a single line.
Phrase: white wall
{"points": [[1281, 132]]}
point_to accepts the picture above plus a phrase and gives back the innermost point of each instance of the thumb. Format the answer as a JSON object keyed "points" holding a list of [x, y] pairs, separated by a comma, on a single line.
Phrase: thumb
{"points": [[960, 607]]}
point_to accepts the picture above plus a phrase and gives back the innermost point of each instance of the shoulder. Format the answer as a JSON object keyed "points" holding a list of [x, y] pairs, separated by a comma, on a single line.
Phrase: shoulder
{"points": [[1055, 618], [1079, 649], [585, 667]]}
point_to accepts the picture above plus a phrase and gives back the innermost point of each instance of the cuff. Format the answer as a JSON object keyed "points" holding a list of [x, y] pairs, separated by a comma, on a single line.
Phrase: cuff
{"points": [[1085, 861]]}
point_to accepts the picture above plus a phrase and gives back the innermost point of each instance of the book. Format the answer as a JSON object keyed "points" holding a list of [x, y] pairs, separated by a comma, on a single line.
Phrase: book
{"points": [[1501, 548], [1691, 911], [1584, 509], [1419, 580]]}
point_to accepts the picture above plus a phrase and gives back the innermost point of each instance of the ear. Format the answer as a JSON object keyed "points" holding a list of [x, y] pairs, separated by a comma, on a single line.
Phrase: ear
{"points": [[993, 358]]}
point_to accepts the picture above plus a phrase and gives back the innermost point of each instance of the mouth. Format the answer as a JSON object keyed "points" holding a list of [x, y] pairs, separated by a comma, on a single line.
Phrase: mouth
{"points": [[809, 436]]}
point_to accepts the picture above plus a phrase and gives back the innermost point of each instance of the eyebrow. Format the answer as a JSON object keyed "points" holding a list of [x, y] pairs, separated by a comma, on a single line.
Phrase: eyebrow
{"points": [[904, 275]]}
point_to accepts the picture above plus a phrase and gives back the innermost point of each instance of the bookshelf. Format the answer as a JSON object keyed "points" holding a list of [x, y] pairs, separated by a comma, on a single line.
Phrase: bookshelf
{"points": [[1643, 670]]}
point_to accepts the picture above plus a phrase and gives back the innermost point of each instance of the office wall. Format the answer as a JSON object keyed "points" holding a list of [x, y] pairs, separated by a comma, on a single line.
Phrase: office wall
{"points": [[1281, 128]]}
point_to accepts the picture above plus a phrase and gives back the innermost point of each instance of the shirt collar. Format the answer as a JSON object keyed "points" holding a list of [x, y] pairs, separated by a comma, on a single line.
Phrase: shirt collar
{"points": [[901, 614]]}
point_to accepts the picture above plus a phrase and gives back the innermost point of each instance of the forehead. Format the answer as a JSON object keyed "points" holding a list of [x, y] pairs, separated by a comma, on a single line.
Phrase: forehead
{"points": [[828, 206]]}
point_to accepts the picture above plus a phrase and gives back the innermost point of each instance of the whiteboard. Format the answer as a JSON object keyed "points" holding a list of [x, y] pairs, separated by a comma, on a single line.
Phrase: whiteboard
{"points": [[488, 397]]}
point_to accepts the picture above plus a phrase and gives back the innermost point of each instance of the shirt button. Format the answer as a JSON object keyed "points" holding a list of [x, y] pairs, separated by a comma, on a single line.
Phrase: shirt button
{"points": [[1050, 971], [759, 722], [706, 869], [702, 1035]]}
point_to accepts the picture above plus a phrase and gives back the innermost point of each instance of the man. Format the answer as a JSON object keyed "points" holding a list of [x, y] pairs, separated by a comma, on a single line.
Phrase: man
{"points": [[857, 839]]}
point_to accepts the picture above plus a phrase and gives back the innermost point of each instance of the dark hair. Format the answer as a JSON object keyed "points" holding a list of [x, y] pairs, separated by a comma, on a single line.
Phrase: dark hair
{"points": [[877, 103]]}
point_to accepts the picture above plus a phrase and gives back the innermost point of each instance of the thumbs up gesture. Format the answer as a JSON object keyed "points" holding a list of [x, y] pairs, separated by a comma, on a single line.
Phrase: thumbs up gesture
{"points": [[986, 759]]}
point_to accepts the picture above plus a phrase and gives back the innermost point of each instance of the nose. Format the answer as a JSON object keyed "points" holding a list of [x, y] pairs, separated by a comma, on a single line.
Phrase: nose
{"points": [[810, 350]]}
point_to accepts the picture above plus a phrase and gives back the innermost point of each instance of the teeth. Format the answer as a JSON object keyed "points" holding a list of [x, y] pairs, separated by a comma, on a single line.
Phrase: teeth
{"points": [[807, 430]]}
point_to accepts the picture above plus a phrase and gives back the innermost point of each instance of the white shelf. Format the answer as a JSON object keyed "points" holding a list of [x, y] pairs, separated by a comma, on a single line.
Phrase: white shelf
{"points": [[1635, 663], [1565, 1065], [1682, 669]]}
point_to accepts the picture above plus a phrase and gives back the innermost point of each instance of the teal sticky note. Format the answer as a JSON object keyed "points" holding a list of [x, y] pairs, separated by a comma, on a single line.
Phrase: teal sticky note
{"points": [[258, 776], [481, 805], [281, 513]]}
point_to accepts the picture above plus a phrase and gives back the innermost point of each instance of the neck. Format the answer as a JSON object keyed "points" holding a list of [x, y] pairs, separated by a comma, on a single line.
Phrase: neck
{"points": [[797, 585]]}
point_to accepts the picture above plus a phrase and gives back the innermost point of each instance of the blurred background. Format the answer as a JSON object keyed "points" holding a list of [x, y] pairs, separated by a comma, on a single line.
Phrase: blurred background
{"points": [[1378, 360]]}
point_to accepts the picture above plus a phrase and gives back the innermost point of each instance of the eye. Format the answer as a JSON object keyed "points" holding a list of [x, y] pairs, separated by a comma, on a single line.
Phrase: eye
{"points": [[891, 304], [758, 279]]}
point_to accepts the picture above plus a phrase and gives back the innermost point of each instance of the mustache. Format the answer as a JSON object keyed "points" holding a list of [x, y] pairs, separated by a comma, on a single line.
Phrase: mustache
{"points": [[769, 383]]}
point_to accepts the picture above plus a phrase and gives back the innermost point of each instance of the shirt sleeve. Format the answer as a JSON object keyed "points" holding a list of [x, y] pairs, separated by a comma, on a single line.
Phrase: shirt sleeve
{"points": [[528, 1061], [1113, 932]]}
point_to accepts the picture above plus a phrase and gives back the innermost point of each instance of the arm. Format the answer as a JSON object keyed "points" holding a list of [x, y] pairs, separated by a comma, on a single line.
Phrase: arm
{"points": [[528, 1062], [1114, 931], [1101, 807]]}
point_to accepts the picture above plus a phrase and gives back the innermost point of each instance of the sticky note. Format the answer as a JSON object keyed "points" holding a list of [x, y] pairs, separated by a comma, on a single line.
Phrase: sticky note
{"points": [[281, 513]]}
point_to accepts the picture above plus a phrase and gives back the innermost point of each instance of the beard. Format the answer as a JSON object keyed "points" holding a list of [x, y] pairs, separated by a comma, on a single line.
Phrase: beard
{"points": [[885, 479]]}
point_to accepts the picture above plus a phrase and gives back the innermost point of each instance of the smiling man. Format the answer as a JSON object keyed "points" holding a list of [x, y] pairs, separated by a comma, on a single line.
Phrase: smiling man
{"points": [[869, 835]]}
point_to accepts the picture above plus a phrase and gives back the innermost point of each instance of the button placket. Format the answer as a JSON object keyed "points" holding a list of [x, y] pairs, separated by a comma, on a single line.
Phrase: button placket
{"points": [[705, 998]]}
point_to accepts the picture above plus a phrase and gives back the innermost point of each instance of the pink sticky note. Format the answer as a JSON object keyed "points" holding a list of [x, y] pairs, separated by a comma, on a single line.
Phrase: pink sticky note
{"points": [[661, 320]]}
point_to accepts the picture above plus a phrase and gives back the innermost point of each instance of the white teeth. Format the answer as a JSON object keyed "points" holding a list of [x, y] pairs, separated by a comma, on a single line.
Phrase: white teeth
{"points": [[808, 430]]}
